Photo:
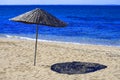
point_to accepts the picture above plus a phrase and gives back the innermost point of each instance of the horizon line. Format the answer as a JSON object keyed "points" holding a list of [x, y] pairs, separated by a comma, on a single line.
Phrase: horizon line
{"points": [[62, 4]]}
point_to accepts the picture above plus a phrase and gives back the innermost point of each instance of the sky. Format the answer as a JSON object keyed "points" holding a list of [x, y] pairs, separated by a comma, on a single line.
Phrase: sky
{"points": [[61, 2]]}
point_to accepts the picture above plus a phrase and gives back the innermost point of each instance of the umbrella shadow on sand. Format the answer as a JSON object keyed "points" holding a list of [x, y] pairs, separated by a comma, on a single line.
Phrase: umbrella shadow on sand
{"points": [[76, 67]]}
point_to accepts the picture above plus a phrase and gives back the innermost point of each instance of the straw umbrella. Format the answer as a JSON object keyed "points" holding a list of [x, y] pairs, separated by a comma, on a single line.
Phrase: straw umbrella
{"points": [[39, 17]]}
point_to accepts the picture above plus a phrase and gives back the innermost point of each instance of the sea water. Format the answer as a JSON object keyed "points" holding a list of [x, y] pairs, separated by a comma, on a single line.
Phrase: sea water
{"points": [[86, 24]]}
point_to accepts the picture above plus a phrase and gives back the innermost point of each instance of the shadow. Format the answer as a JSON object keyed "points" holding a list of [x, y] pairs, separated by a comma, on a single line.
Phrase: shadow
{"points": [[76, 67]]}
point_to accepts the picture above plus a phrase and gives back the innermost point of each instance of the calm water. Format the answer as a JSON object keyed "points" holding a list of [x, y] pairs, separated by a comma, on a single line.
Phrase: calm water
{"points": [[86, 24]]}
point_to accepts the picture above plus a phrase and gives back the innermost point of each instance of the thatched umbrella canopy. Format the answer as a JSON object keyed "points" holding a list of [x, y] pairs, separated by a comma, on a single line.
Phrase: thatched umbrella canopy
{"points": [[39, 17]]}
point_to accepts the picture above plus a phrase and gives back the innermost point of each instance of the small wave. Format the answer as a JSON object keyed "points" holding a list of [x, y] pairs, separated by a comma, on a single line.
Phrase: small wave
{"points": [[15, 37]]}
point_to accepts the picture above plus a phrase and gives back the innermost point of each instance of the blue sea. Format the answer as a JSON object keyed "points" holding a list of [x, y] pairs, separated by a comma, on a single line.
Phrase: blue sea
{"points": [[87, 24]]}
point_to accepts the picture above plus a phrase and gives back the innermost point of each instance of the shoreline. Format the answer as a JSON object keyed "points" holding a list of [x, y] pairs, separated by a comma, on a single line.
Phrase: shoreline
{"points": [[62, 39], [63, 42]]}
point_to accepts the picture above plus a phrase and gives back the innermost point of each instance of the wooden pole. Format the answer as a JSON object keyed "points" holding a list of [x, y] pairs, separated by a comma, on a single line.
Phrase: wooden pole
{"points": [[36, 45]]}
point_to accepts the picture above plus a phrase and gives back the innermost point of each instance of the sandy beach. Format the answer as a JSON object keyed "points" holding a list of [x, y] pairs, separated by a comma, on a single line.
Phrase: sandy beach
{"points": [[16, 60]]}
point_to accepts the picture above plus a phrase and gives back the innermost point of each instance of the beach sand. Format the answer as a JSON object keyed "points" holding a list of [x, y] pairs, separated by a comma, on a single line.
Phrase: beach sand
{"points": [[16, 60]]}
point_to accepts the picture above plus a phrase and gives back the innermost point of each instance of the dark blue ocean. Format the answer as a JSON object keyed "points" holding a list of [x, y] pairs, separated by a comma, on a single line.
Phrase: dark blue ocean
{"points": [[98, 25]]}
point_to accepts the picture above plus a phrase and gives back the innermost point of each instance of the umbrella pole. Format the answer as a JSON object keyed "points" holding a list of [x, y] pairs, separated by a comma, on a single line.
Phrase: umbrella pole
{"points": [[36, 45]]}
